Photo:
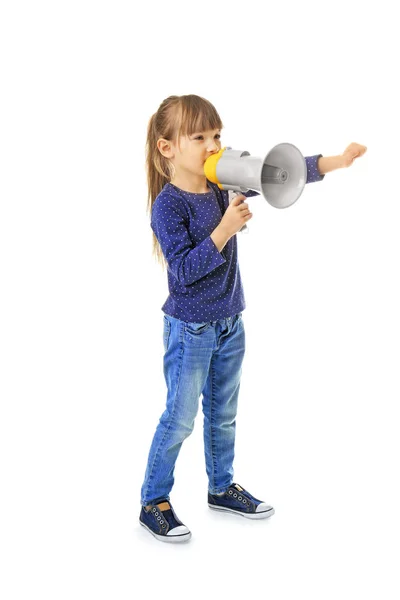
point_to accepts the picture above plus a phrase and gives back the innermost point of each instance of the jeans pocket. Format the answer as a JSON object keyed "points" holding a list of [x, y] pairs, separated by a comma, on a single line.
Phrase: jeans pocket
{"points": [[166, 332]]}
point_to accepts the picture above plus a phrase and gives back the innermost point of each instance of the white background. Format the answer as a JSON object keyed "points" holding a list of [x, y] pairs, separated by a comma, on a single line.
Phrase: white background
{"points": [[82, 386]]}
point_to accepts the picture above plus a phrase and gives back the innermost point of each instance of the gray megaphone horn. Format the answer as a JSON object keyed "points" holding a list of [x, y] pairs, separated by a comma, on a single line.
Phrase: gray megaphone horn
{"points": [[280, 177]]}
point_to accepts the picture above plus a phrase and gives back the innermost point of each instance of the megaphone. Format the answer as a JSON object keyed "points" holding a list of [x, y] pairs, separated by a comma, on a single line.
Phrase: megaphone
{"points": [[280, 177]]}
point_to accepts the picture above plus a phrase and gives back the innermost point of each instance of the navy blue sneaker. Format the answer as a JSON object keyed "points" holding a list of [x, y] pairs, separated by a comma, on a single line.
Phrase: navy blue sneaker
{"points": [[161, 521], [238, 500]]}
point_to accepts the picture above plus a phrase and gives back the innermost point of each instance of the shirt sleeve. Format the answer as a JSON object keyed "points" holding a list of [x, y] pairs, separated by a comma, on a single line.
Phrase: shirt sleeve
{"points": [[249, 193], [187, 262], [313, 173]]}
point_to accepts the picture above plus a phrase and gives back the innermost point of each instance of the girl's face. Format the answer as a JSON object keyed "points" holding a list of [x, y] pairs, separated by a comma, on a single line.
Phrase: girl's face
{"points": [[193, 150]]}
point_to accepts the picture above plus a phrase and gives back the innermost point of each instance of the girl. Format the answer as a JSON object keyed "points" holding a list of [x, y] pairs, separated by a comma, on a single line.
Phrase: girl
{"points": [[194, 236]]}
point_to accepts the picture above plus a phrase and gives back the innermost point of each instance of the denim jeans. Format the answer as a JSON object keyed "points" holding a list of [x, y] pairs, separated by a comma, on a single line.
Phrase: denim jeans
{"points": [[200, 358]]}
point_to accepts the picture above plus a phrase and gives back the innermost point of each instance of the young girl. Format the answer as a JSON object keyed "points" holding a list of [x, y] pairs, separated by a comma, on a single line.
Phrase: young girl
{"points": [[195, 230]]}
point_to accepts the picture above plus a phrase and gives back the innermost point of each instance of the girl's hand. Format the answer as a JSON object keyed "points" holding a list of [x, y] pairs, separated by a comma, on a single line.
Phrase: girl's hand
{"points": [[351, 153], [236, 215]]}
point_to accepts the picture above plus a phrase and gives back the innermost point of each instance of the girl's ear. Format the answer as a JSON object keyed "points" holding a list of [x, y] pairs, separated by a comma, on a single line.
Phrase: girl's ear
{"points": [[165, 148]]}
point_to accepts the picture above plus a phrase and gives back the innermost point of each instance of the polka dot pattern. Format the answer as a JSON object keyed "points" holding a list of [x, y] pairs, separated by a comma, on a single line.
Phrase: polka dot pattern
{"points": [[312, 169], [204, 284]]}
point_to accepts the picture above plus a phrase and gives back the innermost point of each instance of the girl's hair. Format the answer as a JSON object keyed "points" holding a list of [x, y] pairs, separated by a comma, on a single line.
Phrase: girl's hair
{"points": [[176, 116]]}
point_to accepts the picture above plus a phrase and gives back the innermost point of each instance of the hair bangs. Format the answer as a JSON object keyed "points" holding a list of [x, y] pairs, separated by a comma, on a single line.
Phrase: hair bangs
{"points": [[197, 114]]}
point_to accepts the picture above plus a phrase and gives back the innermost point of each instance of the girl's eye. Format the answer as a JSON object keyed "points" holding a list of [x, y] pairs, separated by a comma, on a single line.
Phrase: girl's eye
{"points": [[200, 137]]}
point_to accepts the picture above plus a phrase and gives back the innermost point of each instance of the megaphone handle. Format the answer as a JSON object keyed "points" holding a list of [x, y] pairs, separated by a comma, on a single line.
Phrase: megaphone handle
{"points": [[244, 229]]}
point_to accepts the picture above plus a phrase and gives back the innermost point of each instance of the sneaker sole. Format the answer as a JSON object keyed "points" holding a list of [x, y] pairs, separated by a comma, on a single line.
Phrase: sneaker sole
{"points": [[261, 515], [184, 537]]}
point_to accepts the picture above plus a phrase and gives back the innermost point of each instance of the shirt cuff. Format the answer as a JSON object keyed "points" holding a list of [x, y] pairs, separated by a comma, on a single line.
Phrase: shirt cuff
{"points": [[217, 256], [313, 173]]}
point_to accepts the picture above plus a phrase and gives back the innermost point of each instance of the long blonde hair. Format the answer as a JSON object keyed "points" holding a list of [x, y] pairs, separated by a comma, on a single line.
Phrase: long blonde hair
{"points": [[176, 116]]}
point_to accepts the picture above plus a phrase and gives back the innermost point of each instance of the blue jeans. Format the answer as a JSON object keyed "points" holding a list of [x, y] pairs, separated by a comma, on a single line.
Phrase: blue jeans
{"points": [[200, 358]]}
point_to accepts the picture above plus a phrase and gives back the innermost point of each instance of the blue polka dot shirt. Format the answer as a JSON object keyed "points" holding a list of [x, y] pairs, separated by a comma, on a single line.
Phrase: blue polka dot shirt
{"points": [[204, 284]]}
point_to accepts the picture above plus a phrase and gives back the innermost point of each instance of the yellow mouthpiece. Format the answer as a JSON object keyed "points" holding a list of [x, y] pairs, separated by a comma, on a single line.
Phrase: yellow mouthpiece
{"points": [[210, 167]]}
